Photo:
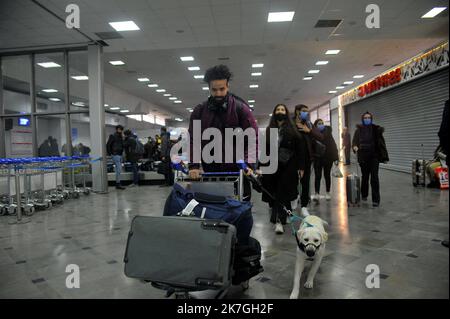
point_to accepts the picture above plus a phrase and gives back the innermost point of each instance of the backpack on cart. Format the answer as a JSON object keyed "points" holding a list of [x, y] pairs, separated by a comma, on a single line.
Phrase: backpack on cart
{"points": [[247, 261]]}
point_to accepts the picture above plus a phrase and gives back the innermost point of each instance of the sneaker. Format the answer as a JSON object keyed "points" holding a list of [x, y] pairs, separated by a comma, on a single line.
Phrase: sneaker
{"points": [[133, 185], [305, 211], [279, 228], [315, 197], [375, 204], [364, 199], [120, 187], [445, 243], [328, 196]]}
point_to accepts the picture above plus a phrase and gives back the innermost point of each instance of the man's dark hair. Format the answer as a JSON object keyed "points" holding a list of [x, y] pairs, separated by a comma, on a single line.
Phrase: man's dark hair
{"points": [[218, 72], [127, 133], [119, 127], [163, 129]]}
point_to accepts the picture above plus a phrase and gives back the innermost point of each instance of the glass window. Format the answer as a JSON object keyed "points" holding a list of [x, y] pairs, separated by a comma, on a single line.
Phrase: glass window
{"points": [[78, 80], [50, 82], [18, 137], [51, 135], [80, 133], [16, 71]]}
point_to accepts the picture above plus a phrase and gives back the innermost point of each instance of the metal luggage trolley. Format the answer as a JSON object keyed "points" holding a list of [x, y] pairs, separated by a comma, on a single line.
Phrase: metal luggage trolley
{"points": [[75, 167]]}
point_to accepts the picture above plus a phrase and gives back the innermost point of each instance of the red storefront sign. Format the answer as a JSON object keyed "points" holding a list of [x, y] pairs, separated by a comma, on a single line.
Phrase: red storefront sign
{"points": [[382, 81]]}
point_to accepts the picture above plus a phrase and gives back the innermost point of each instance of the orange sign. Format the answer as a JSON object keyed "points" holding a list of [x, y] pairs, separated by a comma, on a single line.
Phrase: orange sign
{"points": [[382, 81]]}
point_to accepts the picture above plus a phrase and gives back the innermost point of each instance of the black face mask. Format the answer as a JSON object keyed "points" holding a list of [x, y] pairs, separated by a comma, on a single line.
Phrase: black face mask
{"points": [[280, 116]]}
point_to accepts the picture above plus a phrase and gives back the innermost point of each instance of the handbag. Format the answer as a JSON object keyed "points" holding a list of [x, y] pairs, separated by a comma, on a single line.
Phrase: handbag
{"points": [[337, 172]]}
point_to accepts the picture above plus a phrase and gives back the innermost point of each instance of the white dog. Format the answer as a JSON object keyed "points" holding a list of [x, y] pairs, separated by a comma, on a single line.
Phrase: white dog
{"points": [[311, 238]]}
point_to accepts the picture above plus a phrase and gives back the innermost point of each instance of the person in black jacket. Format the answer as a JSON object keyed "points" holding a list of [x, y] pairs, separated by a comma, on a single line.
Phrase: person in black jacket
{"points": [[370, 146], [165, 157], [347, 144], [129, 146], [307, 132], [325, 154], [291, 164], [443, 141], [114, 148]]}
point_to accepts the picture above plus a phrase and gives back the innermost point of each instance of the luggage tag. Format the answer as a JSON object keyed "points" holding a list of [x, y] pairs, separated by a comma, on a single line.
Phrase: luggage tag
{"points": [[189, 209]]}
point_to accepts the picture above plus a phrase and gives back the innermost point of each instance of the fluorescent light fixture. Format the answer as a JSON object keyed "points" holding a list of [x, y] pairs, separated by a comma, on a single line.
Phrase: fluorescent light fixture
{"points": [[49, 65], [117, 62], [187, 58], [321, 62], [348, 82], [270, 114], [124, 111], [280, 16], [190, 111], [160, 90], [106, 105], [253, 86], [358, 76], [251, 105], [80, 77], [149, 118], [205, 88], [433, 12], [251, 101], [54, 99], [256, 74], [78, 103], [153, 85], [313, 71], [124, 26], [177, 102], [307, 78], [143, 79], [178, 119], [198, 76], [49, 90], [173, 98], [114, 108], [167, 94], [332, 92], [194, 68], [331, 52], [257, 65], [136, 117], [340, 87]]}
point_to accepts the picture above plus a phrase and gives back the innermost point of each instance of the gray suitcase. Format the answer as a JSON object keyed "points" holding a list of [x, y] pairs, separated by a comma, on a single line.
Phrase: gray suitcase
{"points": [[180, 252], [353, 187]]}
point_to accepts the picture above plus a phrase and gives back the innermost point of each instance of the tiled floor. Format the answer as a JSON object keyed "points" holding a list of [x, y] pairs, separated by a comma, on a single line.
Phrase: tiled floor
{"points": [[402, 237]]}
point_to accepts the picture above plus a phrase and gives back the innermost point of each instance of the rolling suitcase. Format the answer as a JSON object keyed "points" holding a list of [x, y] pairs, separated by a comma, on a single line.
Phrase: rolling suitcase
{"points": [[180, 253], [353, 187]]}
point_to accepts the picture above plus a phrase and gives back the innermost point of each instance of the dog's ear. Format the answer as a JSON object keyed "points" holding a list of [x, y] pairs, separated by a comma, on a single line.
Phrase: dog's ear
{"points": [[324, 237], [300, 234]]}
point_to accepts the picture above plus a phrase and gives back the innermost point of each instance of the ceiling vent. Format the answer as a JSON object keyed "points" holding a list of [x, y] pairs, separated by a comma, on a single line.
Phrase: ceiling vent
{"points": [[327, 23]]}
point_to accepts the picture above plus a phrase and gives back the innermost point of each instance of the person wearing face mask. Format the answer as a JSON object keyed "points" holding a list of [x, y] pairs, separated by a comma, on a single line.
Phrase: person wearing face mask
{"points": [[370, 146], [291, 164], [222, 110], [307, 132], [325, 153]]}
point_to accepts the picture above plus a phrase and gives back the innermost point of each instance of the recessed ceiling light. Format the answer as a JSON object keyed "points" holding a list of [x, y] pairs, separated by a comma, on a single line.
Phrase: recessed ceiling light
{"points": [[329, 52], [160, 90], [54, 99], [256, 74], [177, 101], [106, 105], [358, 76], [190, 111], [280, 16], [348, 82], [167, 94], [154, 85], [253, 86], [270, 114], [198, 76], [178, 119], [124, 111], [251, 101], [433, 12], [257, 65], [143, 79], [117, 62], [80, 77], [332, 92], [49, 90], [313, 71], [173, 98], [114, 108], [187, 58], [340, 87], [124, 26], [194, 68], [49, 65], [307, 78], [251, 105], [321, 62], [205, 88], [78, 103]]}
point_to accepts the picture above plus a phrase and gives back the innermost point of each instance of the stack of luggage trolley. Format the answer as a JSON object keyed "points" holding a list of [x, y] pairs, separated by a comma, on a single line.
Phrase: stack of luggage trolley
{"points": [[201, 246]]}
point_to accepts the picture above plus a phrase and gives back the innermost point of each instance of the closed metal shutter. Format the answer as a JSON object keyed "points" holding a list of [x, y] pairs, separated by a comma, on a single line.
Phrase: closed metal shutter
{"points": [[410, 114]]}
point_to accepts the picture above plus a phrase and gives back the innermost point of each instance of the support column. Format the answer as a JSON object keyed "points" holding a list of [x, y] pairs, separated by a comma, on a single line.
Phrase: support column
{"points": [[2, 120], [33, 119], [97, 118]]}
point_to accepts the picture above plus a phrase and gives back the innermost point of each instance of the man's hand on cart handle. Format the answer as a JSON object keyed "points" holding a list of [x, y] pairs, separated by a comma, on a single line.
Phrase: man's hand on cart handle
{"points": [[195, 173]]}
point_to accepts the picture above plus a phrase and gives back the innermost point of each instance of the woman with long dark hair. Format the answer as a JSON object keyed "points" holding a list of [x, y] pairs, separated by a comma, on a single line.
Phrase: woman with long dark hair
{"points": [[291, 163]]}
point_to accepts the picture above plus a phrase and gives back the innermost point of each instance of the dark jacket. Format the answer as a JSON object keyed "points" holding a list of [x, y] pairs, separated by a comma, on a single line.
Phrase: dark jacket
{"points": [[236, 115], [165, 145], [114, 146], [149, 149], [331, 153], [443, 131], [129, 145], [308, 139], [380, 150], [283, 184]]}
